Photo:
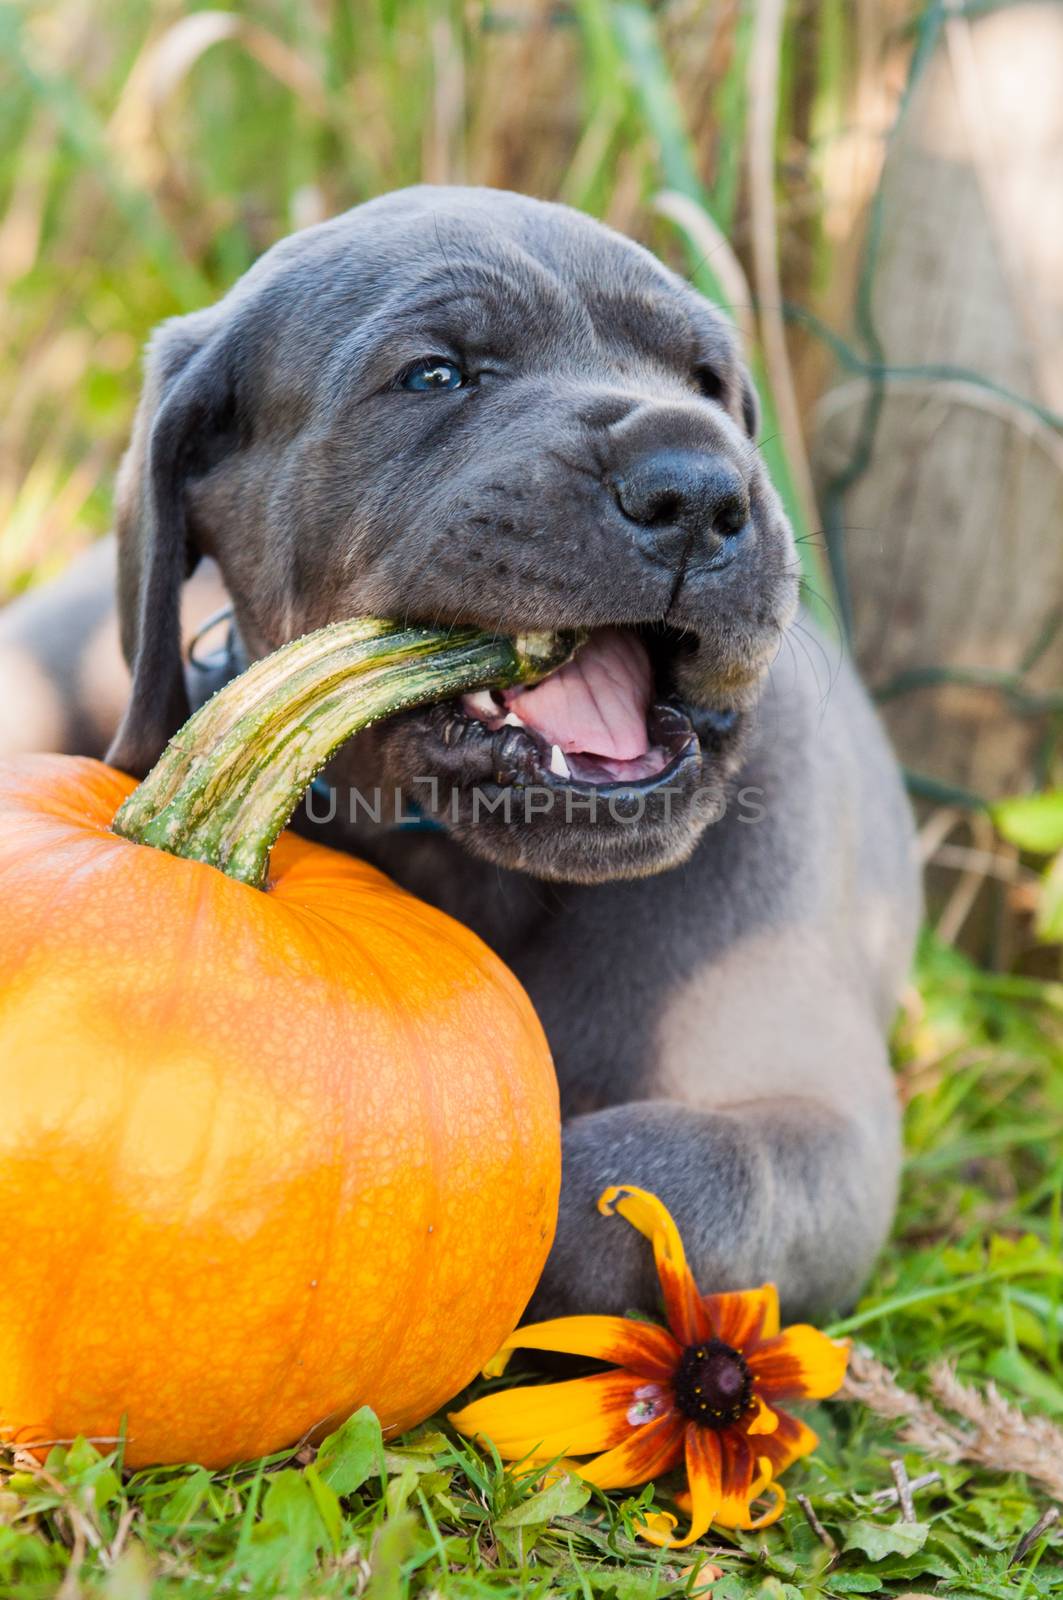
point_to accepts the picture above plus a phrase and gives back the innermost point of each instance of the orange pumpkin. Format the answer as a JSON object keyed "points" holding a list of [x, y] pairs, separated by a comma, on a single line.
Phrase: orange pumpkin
{"points": [[264, 1156]]}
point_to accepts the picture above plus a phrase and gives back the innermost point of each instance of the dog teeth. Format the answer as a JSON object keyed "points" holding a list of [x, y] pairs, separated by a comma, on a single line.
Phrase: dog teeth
{"points": [[480, 705], [511, 720], [558, 765]]}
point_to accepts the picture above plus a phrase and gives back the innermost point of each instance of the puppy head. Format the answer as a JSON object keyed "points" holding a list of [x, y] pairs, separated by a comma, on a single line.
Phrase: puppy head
{"points": [[458, 405]]}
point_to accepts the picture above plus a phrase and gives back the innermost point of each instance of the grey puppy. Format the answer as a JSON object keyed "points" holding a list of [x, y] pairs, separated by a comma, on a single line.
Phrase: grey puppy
{"points": [[460, 405]]}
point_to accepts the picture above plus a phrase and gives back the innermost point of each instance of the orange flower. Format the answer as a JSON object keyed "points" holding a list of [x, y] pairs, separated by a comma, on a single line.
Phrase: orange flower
{"points": [[702, 1391]]}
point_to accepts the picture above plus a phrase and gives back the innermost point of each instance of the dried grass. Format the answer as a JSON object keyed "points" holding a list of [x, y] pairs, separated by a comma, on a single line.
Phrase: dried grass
{"points": [[982, 1428]]}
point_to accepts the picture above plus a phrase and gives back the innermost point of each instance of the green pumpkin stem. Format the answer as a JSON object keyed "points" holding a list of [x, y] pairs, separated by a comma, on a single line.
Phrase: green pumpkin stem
{"points": [[229, 780]]}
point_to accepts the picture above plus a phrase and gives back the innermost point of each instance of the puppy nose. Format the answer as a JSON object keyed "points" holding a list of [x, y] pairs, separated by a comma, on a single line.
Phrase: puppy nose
{"points": [[689, 492]]}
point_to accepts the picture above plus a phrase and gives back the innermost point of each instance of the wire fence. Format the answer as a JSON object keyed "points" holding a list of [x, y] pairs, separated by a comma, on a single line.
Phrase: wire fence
{"points": [[868, 359]]}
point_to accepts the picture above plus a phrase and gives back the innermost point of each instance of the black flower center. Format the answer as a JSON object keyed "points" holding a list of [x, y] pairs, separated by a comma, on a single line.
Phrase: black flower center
{"points": [[712, 1384]]}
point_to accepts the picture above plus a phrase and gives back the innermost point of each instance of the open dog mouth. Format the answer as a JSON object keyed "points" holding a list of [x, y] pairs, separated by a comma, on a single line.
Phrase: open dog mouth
{"points": [[609, 718]]}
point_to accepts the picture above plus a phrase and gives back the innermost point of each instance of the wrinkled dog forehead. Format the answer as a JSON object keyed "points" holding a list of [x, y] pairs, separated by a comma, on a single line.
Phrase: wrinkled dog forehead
{"points": [[481, 273]]}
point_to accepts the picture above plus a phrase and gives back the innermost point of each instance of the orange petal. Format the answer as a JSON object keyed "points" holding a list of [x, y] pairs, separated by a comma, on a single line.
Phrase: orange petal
{"points": [[775, 1510], [700, 1501], [745, 1316], [687, 1316], [790, 1441], [743, 1479], [799, 1364], [657, 1528], [648, 1451], [542, 1421], [765, 1420], [703, 1475], [642, 1347]]}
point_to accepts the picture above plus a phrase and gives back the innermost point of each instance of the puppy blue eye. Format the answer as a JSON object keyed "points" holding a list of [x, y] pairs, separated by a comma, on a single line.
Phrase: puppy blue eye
{"points": [[433, 373]]}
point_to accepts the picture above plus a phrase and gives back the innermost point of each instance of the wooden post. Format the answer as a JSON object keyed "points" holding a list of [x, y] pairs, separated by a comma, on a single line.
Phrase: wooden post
{"points": [[954, 535]]}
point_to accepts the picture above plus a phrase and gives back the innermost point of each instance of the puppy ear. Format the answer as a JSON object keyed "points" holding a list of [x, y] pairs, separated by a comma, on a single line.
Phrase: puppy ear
{"points": [[750, 405], [186, 422]]}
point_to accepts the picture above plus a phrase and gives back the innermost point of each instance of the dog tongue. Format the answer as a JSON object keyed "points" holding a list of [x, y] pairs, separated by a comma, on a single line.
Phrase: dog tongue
{"points": [[597, 702]]}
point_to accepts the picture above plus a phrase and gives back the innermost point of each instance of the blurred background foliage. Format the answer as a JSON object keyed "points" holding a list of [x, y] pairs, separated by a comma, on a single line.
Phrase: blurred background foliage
{"points": [[151, 150], [863, 184]]}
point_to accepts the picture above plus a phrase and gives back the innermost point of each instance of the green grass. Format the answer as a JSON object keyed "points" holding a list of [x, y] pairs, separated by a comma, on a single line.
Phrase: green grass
{"points": [[973, 1274]]}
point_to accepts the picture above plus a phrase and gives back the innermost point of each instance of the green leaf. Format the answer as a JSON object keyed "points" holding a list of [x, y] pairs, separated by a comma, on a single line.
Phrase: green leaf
{"points": [[1050, 909], [773, 1589], [409, 1461], [732, 1586], [636, 34], [23, 1483], [418, 1451], [434, 1484], [750, 1586], [28, 1554], [854, 1583], [1032, 821], [425, 1442], [81, 1457], [878, 1540], [289, 1511], [393, 1544], [106, 1486], [1012, 1368], [400, 1489], [84, 1467], [131, 1576], [561, 1499], [640, 1583], [352, 1454], [925, 1564], [188, 1495], [328, 1506]]}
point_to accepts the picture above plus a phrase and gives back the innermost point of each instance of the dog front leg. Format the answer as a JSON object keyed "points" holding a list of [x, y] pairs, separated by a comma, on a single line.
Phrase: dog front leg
{"points": [[790, 1191]]}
